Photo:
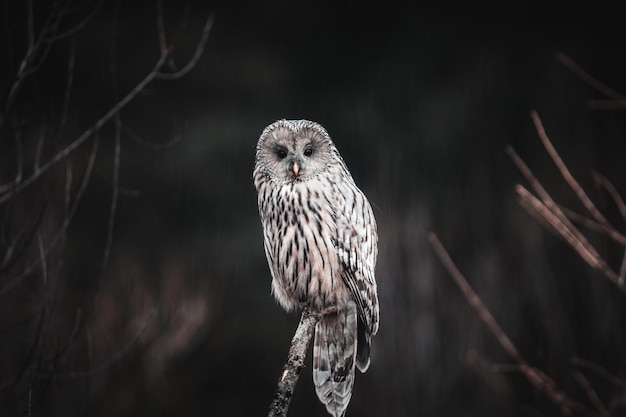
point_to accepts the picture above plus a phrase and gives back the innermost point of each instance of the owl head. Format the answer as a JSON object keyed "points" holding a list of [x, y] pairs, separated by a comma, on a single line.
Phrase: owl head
{"points": [[294, 150]]}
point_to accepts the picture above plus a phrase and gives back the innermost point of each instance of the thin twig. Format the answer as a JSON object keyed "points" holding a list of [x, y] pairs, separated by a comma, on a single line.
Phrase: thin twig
{"points": [[589, 79], [196, 55], [65, 152], [294, 364], [591, 393], [68, 187], [161, 28], [19, 161], [622, 270], [569, 178], [23, 238], [608, 185], [114, 358], [139, 87], [115, 192], [27, 64], [474, 299], [598, 370], [75, 29], [536, 377], [551, 213], [69, 83], [586, 251], [83, 185], [590, 224], [69, 344], [540, 211], [66, 221], [38, 150], [543, 194], [117, 120]]}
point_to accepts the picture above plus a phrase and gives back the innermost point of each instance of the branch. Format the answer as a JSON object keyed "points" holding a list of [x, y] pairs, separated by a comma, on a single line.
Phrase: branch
{"points": [[550, 214], [569, 178], [592, 225], [14, 188], [537, 378], [474, 299], [294, 364], [617, 99], [586, 386], [117, 356], [196, 55], [608, 186], [617, 382]]}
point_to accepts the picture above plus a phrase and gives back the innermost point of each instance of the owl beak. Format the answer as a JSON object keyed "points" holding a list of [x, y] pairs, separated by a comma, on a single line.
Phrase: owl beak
{"points": [[295, 168]]}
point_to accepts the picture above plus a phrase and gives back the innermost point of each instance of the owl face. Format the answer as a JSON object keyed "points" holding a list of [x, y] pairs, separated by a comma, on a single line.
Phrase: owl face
{"points": [[293, 150]]}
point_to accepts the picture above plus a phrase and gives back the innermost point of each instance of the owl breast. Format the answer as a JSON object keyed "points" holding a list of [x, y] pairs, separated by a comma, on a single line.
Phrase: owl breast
{"points": [[300, 243]]}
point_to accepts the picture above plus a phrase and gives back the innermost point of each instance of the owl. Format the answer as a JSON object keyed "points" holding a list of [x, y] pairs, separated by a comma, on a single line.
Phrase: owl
{"points": [[321, 245]]}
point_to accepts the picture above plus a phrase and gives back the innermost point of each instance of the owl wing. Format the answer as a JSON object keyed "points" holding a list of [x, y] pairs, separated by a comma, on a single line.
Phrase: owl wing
{"points": [[357, 245]]}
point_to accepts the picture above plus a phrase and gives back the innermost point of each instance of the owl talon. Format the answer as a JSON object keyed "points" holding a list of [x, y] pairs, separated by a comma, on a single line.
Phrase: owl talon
{"points": [[328, 311]]}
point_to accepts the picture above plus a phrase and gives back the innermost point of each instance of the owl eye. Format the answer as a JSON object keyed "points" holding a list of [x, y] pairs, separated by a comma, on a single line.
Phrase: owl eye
{"points": [[281, 153], [308, 152]]}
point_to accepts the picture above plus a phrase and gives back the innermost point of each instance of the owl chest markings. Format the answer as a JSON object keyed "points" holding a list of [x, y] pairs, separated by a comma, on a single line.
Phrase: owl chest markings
{"points": [[303, 244]]}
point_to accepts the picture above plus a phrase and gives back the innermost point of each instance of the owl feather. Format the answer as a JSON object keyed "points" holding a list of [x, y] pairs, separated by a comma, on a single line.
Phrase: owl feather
{"points": [[321, 245]]}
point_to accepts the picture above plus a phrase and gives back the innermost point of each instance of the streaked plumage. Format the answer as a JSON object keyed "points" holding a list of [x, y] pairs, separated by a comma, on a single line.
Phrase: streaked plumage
{"points": [[321, 245]]}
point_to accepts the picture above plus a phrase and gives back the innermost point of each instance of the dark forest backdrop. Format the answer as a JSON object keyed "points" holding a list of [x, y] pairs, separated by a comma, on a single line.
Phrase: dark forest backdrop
{"points": [[132, 274]]}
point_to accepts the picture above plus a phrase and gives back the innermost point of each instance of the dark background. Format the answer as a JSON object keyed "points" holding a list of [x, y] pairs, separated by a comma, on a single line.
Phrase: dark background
{"points": [[420, 101]]}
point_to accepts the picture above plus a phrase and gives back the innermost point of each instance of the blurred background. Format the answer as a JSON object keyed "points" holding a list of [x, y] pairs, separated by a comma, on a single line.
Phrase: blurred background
{"points": [[132, 274]]}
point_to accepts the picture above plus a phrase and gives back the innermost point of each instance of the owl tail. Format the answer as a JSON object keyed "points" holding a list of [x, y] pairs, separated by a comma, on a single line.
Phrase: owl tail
{"points": [[334, 355]]}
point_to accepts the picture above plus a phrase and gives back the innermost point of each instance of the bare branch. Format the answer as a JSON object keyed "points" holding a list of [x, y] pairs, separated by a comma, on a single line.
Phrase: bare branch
{"points": [[196, 56], [474, 299], [536, 207], [22, 238], [564, 171], [294, 364], [140, 86], [38, 150], [552, 215], [19, 162], [161, 28], [115, 193], [590, 224], [27, 64], [114, 358], [622, 270], [541, 212], [544, 195], [83, 186], [66, 222], [617, 198], [536, 377], [64, 153], [69, 83], [590, 80], [68, 186], [591, 393], [75, 29], [598, 370], [19, 157], [69, 344]]}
